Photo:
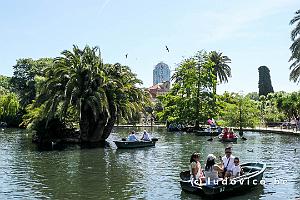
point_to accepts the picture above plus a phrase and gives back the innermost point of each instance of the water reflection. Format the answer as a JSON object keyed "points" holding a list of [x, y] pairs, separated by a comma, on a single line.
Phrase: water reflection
{"points": [[150, 173]]}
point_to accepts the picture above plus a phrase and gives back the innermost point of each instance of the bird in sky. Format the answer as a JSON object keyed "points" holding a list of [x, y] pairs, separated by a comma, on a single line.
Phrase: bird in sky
{"points": [[167, 48], [126, 55]]}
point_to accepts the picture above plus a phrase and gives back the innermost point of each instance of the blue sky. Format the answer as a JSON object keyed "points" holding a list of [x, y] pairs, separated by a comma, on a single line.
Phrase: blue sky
{"points": [[251, 33]]}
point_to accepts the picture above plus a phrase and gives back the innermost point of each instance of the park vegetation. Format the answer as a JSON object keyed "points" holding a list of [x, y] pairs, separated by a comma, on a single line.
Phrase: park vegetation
{"points": [[78, 95]]}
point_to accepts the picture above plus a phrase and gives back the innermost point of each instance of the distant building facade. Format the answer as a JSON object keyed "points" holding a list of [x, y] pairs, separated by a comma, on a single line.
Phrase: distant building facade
{"points": [[161, 73], [159, 89]]}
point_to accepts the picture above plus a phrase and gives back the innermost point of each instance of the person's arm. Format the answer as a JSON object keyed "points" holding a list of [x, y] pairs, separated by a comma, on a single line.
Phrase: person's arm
{"points": [[218, 168], [242, 171], [194, 169]]}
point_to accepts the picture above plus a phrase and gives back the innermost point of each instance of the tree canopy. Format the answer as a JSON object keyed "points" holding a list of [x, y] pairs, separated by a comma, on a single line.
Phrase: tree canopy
{"points": [[95, 92]]}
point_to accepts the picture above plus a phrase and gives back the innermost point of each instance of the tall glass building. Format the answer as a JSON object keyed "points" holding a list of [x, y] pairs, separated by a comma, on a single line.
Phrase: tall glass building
{"points": [[161, 73]]}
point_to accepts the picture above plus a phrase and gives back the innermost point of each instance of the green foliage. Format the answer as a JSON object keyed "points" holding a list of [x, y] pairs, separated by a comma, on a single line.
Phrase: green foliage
{"points": [[295, 48], [33, 114], [253, 96], [5, 86], [243, 112], [264, 83], [287, 103], [190, 99], [9, 107], [23, 80], [221, 69], [49, 130], [96, 94]]}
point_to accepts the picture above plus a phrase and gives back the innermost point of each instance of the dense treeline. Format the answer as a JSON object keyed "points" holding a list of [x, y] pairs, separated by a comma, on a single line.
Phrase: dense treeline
{"points": [[74, 91], [193, 99], [77, 91], [77, 87]]}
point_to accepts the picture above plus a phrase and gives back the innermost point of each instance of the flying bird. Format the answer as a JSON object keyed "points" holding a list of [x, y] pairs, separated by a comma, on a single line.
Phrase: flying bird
{"points": [[167, 48], [126, 55]]}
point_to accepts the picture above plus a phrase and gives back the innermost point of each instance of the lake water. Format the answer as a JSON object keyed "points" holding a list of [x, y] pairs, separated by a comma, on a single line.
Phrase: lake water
{"points": [[149, 173]]}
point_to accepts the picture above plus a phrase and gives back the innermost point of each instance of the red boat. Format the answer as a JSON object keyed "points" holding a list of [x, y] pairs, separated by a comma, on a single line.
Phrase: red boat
{"points": [[228, 136]]}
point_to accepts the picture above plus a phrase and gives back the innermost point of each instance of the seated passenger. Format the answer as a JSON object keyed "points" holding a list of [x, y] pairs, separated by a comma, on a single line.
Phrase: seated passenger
{"points": [[212, 170], [219, 130], [236, 169], [145, 136], [231, 134], [132, 137], [195, 168], [225, 133], [228, 162], [225, 130]]}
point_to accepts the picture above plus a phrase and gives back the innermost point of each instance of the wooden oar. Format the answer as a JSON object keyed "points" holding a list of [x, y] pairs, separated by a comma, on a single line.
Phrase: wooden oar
{"points": [[243, 138], [241, 134]]}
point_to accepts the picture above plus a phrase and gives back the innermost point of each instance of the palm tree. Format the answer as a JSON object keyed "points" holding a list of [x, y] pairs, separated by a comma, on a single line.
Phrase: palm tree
{"points": [[97, 92], [124, 98], [295, 48], [221, 69]]}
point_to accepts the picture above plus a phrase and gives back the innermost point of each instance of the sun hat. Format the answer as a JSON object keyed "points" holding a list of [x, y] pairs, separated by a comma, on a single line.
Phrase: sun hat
{"points": [[211, 157]]}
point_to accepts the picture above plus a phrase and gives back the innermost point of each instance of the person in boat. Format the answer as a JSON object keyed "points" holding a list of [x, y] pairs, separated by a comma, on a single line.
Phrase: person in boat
{"points": [[219, 129], [236, 170], [195, 168], [213, 123], [132, 137], [228, 162], [145, 136], [209, 121], [230, 134], [212, 170], [225, 133]]}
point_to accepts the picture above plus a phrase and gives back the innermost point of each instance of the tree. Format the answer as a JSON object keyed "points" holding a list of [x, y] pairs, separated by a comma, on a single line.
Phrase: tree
{"points": [[243, 112], [23, 79], [295, 49], [253, 96], [264, 82], [190, 97], [5, 86], [221, 69], [99, 93], [9, 106]]}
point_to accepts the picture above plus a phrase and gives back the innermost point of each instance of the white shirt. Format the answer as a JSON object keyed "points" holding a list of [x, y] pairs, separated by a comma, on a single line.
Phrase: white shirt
{"points": [[230, 162], [236, 171], [132, 137], [146, 137]]}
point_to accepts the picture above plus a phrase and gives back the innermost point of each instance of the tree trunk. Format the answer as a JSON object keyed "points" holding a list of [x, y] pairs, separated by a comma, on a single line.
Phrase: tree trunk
{"points": [[97, 131], [91, 130]]}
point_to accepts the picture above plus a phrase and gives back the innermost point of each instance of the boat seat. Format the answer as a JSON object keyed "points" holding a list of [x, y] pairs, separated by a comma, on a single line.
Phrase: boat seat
{"points": [[251, 168]]}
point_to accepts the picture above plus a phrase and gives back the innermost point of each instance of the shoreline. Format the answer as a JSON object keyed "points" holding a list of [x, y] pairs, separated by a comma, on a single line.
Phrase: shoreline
{"points": [[277, 130]]}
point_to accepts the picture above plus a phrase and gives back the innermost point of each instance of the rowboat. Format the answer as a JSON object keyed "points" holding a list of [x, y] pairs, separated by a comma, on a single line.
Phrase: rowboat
{"points": [[228, 139], [252, 177], [135, 144]]}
